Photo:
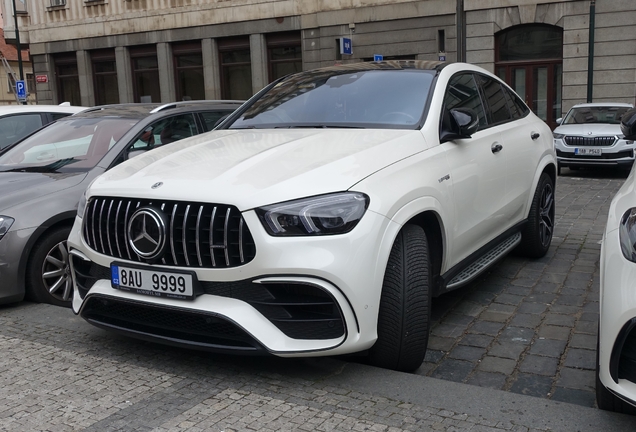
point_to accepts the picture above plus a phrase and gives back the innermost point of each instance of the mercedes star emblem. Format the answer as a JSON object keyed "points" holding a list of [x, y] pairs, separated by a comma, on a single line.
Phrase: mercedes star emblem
{"points": [[147, 233]]}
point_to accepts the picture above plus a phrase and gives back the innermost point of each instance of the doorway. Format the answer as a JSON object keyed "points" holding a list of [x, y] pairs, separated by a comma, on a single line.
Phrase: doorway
{"points": [[530, 59]]}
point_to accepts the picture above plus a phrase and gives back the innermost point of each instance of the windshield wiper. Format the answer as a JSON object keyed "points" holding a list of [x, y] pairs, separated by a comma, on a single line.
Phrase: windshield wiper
{"points": [[50, 168]]}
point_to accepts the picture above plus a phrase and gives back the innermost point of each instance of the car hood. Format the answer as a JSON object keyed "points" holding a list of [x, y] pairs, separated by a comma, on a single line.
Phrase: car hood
{"points": [[591, 129], [250, 168], [20, 187]]}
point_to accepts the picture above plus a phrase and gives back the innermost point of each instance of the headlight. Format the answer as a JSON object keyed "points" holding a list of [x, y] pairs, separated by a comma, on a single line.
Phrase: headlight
{"points": [[627, 234], [5, 224], [322, 215], [81, 206], [558, 135]]}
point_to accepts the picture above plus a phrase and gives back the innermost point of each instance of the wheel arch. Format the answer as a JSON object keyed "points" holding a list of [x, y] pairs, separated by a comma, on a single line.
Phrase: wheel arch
{"points": [[548, 166], [57, 221]]}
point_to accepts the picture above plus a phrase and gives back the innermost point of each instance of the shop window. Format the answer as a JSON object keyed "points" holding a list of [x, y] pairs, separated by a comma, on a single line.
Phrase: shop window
{"points": [[188, 61], [67, 79], [145, 71], [236, 68], [285, 55], [105, 77]]}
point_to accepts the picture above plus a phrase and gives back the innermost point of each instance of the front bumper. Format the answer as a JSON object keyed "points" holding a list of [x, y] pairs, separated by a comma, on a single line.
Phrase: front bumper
{"points": [[620, 153], [12, 246], [617, 327], [335, 281]]}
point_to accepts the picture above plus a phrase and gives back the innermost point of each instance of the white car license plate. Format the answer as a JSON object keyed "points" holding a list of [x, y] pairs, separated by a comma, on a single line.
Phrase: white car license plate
{"points": [[588, 151], [152, 282]]}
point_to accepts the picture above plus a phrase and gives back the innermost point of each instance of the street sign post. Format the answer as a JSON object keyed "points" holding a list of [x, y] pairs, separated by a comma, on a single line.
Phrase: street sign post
{"points": [[21, 90], [378, 57]]}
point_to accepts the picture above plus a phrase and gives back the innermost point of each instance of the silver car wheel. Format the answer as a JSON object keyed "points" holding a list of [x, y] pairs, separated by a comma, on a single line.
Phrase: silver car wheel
{"points": [[56, 273]]}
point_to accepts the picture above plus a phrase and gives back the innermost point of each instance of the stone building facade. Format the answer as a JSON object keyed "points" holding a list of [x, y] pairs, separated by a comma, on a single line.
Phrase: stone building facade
{"points": [[106, 51]]}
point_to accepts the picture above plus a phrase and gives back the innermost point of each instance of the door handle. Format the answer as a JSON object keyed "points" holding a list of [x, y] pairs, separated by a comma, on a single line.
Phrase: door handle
{"points": [[496, 147], [534, 135]]}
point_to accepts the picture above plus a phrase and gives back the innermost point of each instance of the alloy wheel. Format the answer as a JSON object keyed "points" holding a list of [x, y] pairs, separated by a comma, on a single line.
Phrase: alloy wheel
{"points": [[56, 273], [546, 221]]}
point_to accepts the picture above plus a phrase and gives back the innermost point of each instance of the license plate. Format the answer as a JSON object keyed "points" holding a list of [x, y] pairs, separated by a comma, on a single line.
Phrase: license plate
{"points": [[588, 151], [152, 282]]}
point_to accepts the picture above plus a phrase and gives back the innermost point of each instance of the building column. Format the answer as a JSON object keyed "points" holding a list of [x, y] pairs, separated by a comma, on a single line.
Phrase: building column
{"points": [[85, 72], [124, 75], [258, 57], [211, 69], [166, 73]]}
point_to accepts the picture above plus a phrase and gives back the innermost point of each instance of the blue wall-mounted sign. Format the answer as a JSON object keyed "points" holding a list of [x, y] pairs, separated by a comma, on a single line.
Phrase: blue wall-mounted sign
{"points": [[378, 57], [346, 47]]}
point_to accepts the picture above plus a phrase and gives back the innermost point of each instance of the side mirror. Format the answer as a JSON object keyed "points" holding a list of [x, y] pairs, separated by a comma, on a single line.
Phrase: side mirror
{"points": [[628, 124], [559, 120], [462, 123]]}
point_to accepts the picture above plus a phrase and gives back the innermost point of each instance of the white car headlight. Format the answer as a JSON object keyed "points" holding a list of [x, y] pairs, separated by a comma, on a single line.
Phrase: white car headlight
{"points": [[627, 234], [5, 224], [81, 206], [321, 215], [558, 135]]}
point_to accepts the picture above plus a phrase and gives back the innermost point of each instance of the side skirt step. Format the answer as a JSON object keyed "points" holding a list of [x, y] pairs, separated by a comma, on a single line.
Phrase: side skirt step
{"points": [[485, 261]]}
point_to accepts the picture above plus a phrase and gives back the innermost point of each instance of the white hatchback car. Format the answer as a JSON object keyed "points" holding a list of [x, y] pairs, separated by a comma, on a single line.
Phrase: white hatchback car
{"points": [[323, 217], [616, 365], [590, 135]]}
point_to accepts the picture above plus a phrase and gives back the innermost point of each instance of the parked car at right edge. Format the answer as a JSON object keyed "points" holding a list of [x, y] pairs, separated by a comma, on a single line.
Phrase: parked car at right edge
{"points": [[590, 135], [616, 361]]}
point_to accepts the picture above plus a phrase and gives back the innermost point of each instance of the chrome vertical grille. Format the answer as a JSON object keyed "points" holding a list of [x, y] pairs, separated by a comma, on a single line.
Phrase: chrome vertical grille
{"points": [[200, 235], [581, 141]]}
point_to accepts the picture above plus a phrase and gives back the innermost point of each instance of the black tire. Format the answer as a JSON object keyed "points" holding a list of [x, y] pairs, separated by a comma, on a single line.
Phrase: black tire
{"points": [[537, 234], [606, 399], [48, 276], [404, 315]]}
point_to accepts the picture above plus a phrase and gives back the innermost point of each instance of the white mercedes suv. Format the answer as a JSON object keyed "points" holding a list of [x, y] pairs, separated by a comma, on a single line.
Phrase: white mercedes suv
{"points": [[321, 217]]}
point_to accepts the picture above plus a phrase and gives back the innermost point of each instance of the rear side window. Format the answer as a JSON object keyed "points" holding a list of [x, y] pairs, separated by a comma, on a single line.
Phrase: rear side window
{"points": [[496, 100], [462, 92], [516, 106], [57, 116], [210, 118], [14, 128]]}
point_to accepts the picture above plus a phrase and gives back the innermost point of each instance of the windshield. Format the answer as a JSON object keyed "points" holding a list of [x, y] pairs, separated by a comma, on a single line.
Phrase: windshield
{"points": [[598, 114], [364, 99], [66, 146]]}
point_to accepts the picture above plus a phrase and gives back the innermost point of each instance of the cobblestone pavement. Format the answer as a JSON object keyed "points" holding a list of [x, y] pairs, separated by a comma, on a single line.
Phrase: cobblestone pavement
{"points": [[528, 328]]}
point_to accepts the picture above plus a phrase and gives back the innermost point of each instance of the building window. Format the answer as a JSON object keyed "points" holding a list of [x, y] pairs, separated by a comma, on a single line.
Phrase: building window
{"points": [[145, 72], [105, 77], [188, 62], [67, 77], [284, 54], [236, 68], [530, 59]]}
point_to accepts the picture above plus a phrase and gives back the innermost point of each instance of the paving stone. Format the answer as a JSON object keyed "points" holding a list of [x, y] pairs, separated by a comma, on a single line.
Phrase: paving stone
{"points": [[462, 352], [581, 358], [510, 350], [534, 364], [509, 299], [548, 347], [497, 364], [433, 356], [570, 300], [532, 308], [577, 379], [525, 320], [532, 385], [476, 340], [486, 327], [554, 332], [517, 335], [440, 343], [453, 370], [488, 379], [559, 320], [583, 341], [445, 330], [586, 327]]}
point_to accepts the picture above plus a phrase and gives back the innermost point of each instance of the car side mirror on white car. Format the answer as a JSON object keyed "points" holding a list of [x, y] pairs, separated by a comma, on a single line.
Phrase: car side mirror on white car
{"points": [[628, 124], [460, 123]]}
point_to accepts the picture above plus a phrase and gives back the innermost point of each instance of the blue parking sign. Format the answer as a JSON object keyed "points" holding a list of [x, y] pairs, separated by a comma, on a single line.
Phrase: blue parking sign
{"points": [[346, 47], [378, 57], [20, 89]]}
